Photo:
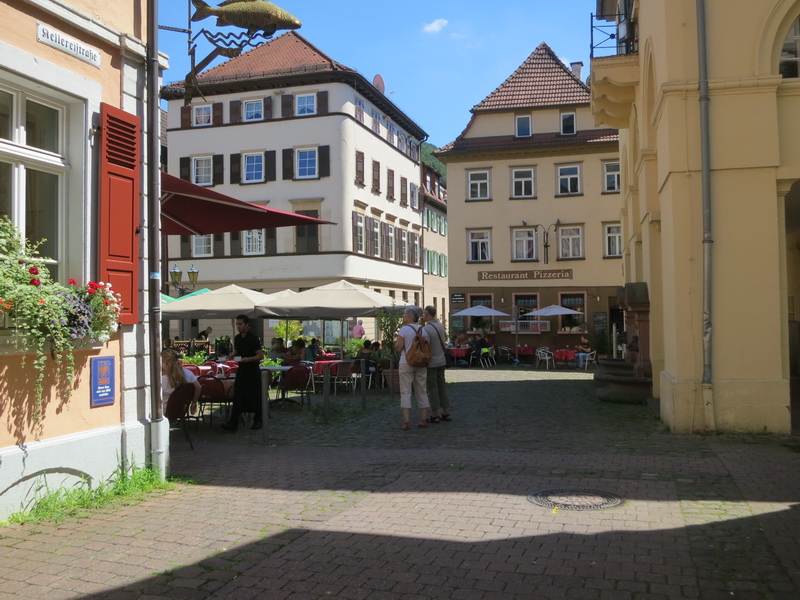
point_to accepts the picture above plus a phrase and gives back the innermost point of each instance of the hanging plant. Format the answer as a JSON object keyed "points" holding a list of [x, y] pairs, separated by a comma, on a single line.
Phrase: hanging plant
{"points": [[46, 317]]}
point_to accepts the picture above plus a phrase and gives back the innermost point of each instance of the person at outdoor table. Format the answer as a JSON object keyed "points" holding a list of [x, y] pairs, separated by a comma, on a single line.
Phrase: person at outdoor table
{"points": [[411, 378], [173, 375], [461, 340], [296, 352], [365, 351], [358, 330], [205, 334], [276, 349], [247, 385], [314, 350], [437, 391], [582, 349]]}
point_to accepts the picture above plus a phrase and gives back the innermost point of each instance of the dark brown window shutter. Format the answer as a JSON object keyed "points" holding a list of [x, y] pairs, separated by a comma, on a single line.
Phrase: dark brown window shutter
{"points": [[236, 243], [219, 244], [270, 166], [185, 247], [355, 231], [267, 108], [398, 253], [376, 176], [385, 240], [118, 207], [369, 247], [287, 105], [359, 167], [216, 113], [322, 103], [403, 191], [186, 117], [324, 156], [218, 162], [236, 168], [270, 242], [185, 168], [288, 163], [236, 111], [390, 184]]}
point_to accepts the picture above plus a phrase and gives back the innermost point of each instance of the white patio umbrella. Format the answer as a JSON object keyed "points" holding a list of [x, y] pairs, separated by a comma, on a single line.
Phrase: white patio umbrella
{"points": [[479, 311], [223, 303], [552, 311]]}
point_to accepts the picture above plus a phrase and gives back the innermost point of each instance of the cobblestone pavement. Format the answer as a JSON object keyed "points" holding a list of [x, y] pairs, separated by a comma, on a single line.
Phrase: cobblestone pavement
{"points": [[359, 509]]}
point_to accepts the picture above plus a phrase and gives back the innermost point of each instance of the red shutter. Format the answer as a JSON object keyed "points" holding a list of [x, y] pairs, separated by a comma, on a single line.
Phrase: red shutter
{"points": [[118, 210]]}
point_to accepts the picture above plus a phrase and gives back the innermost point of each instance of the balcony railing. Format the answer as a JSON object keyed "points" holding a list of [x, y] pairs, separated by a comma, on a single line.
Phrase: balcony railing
{"points": [[613, 35]]}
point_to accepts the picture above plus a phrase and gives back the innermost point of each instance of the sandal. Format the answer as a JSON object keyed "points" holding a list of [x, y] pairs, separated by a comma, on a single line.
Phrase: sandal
{"points": [[405, 426], [433, 419], [445, 417], [422, 424]]}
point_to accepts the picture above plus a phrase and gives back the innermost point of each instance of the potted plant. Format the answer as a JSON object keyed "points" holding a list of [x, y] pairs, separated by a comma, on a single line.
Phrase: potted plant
{"points": [[388, 322]]}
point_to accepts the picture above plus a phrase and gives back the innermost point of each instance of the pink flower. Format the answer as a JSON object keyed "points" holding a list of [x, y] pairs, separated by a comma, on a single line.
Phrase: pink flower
{"points": [[33, 270]]}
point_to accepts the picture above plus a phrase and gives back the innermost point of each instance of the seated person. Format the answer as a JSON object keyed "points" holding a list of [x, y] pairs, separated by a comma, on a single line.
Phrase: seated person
{"points": [[296, 352], [365, 351], [314, 350], [276, 349], [583, 348], [461, 341]]}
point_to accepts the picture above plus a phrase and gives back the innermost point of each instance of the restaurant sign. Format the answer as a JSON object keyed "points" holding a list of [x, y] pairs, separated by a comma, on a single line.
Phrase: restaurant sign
{"points": [[523, 275], [457, 298], [59, 41]]}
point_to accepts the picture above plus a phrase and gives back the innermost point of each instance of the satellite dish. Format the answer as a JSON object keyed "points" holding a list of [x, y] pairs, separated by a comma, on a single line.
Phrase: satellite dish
{"points": [[377, 81]]}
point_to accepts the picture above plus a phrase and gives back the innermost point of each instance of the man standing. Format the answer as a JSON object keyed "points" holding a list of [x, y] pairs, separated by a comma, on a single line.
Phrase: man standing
{"points": [[247, 385], [437, 390], [358, 330]]}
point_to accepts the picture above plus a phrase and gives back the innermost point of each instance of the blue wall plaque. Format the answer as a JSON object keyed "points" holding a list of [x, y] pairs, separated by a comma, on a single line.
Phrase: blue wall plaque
{"points": [[102, 372]]}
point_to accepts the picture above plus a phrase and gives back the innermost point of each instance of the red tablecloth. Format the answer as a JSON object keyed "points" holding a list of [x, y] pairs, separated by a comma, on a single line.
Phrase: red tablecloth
{"points": [[459, 352], [329, 356], [523, 350], [564, 355], [318, 366]]}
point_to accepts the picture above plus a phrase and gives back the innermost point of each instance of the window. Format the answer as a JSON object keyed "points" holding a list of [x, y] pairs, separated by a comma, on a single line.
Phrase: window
{"points": [[570, 242], [524, 244], [202, 170], [611, 177], [569, 180], [478, 185], [253, 167], [202, 245], [428, 180], [790, 53], [433, 221], [376, 122], [523, 128], [480, 322], [390, 242], [305, 105], [359, 167], [414, 196], [253, 110], [390, 184], [613, 239], [401, 142], [391, 132], [307, 236], [403, 191], [526, 303], [253, 241], [33, 170], [479, 246], [201, 115], [403, 246], [360, 110], [522, 183], [306, 163], [375, 236], [359, 234], [575, 302], [568, 126]]}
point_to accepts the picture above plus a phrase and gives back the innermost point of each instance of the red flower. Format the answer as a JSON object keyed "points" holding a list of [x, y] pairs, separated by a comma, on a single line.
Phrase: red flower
{"points": [[35, 281], [106, 302], [90, 291], [33, 270], [72, 282]]}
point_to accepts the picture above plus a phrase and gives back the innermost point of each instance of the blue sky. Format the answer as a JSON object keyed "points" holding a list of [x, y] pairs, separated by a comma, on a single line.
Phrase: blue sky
{"points": [[439, 58]]}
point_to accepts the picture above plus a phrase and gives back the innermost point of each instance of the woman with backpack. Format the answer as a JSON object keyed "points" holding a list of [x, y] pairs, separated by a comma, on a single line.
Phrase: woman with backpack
{"points": [[413, 373]]}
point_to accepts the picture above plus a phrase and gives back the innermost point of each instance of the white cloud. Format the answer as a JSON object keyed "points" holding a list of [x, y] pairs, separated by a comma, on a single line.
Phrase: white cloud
{"points": [[435, 26]]}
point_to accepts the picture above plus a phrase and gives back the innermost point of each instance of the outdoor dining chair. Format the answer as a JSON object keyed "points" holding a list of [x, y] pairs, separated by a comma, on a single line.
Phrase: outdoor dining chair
{"points": [[212, 391], [177, 408], [546, 356], [591, 358], [297, 379]]}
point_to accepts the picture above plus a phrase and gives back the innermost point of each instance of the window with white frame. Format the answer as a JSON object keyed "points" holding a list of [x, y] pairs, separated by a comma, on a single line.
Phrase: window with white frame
{"points": [[360, 109], [359, 234], [477, 185], [390, 242], [522, 183], [305, 163], [376, 122], [253, 241], [568, 126], [403, 246], [305, 105], [414, 193], [523, 126], [253, 110], [401, 142], [611, 177], [201, 115], [375, 236], [253, 167], [479, 242], [443, 265], [789, 66], [391, 132], [418, 250], [570, 242], [202, 170], [202, 245], [569, 180], [433, 222], [612, 232], [33, 169], [524, 244]]}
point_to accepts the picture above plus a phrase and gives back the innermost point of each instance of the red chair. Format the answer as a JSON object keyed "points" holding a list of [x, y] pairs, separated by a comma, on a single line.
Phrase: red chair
{"points": [[192, 369], [213, 365], [212, 391], [232, 365], [178, 407], [297, 379]]}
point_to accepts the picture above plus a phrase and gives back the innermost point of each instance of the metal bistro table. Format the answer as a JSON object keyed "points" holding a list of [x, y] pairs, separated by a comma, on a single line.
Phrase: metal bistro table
{"points": [[266, 375]]}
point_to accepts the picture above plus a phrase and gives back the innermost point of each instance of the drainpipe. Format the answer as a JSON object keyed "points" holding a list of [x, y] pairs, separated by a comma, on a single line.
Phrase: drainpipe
{"points": [[705, 169], [159, 430]]}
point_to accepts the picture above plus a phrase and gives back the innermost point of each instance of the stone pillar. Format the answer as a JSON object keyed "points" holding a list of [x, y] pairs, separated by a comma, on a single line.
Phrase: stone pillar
{"points": [[637, 313]]}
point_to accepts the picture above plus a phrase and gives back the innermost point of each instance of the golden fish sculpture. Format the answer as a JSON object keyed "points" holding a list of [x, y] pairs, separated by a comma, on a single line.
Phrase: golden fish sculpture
{"points": [[253, 15]]}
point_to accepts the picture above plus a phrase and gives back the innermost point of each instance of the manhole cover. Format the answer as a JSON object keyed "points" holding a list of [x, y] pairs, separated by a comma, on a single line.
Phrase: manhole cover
{"points": [[570, 499]]}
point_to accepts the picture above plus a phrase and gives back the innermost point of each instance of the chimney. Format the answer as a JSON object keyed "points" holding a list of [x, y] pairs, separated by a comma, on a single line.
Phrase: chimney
{"points": [[576, 68]]}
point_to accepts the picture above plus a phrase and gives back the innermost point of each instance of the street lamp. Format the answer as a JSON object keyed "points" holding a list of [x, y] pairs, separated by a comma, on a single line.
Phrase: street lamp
{"points": [[175, 276], [546, 237]]}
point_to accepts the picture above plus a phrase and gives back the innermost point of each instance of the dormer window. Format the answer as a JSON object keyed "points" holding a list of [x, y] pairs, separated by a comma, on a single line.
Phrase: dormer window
{"points": [[201, 115], [568, 126], [523, 126]]}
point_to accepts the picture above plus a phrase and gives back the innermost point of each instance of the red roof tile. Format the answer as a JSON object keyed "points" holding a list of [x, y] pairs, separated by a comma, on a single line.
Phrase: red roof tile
{"points": [[542, 80]]}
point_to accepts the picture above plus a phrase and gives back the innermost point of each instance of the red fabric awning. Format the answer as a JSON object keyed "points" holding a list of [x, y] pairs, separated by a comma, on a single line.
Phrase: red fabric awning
{"points": [[189, 209]]}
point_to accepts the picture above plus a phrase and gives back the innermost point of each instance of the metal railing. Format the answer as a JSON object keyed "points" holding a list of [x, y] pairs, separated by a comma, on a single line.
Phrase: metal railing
{"points": [[615, 37]]}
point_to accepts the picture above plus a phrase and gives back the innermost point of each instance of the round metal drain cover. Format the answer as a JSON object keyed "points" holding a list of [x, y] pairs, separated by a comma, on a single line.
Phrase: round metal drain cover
{"points": [[575, 499]]}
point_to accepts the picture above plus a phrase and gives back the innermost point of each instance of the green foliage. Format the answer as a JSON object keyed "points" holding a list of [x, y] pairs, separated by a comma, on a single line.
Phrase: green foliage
{"points": [[352, 347], [388, 322], [126, 485], [288, 330], [269, 362], [47, 317], [195, 359], [426, 151]]}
